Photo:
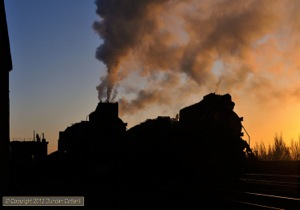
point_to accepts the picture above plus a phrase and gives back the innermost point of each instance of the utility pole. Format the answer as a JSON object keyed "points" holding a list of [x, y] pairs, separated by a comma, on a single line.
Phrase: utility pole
{"points": [[5, 68]]}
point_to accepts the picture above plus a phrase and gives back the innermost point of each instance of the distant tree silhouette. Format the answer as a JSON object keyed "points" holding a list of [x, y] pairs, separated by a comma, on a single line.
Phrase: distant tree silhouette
{"points": [[279, 150], [269, 153], [295, 149], [261, 151]]}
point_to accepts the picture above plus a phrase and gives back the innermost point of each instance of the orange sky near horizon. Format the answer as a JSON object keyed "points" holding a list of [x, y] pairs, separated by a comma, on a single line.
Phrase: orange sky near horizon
{"points": [[263, 124]]}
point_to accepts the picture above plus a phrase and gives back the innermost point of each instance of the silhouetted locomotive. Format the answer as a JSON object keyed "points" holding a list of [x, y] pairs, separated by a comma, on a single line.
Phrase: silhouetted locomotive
{"points": [[205, 139]]}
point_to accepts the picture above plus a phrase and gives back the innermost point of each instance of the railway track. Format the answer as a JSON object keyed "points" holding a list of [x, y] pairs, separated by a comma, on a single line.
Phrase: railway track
{"points": [[273, 179], [279, 185], [252, 191]]}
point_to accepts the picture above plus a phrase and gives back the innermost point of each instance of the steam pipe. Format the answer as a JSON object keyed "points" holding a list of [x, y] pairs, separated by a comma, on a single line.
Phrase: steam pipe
{"points": [[247, 135]]}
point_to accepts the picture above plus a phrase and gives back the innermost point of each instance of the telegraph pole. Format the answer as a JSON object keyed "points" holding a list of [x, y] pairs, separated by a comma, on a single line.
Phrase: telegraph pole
{"points": [[5, 68]]}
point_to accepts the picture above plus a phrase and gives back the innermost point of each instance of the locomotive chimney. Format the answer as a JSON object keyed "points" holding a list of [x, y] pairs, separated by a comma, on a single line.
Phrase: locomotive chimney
{"points": [[105, 110], [5, 67]]}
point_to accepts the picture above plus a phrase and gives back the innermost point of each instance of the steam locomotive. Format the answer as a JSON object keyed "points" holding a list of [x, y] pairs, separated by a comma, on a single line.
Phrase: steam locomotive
{"points": [[204, 139]]}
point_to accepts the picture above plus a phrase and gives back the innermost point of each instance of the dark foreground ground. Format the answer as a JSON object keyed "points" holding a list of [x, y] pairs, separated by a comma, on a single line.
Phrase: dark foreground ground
{"points": [[272, 185]]}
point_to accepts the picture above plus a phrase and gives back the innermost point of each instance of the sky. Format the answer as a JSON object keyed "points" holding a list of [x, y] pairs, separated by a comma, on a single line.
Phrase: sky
{"points": [[154, 58]]}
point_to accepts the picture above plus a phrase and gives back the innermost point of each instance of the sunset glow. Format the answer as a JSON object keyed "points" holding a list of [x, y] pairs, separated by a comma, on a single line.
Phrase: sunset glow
{"points": [[155, 61]]}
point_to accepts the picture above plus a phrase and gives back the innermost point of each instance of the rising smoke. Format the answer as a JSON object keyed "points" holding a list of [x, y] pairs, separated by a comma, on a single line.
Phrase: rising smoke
{"points": [[172, 48]]}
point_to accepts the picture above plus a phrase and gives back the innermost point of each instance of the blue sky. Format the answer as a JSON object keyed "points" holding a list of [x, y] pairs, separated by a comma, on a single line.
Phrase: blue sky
{"points": [[55, 72]]}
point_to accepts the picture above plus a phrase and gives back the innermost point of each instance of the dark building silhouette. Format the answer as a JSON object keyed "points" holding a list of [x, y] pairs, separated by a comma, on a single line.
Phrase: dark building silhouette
{"points": [[28, 160], [29, 151], [5, 67]]}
